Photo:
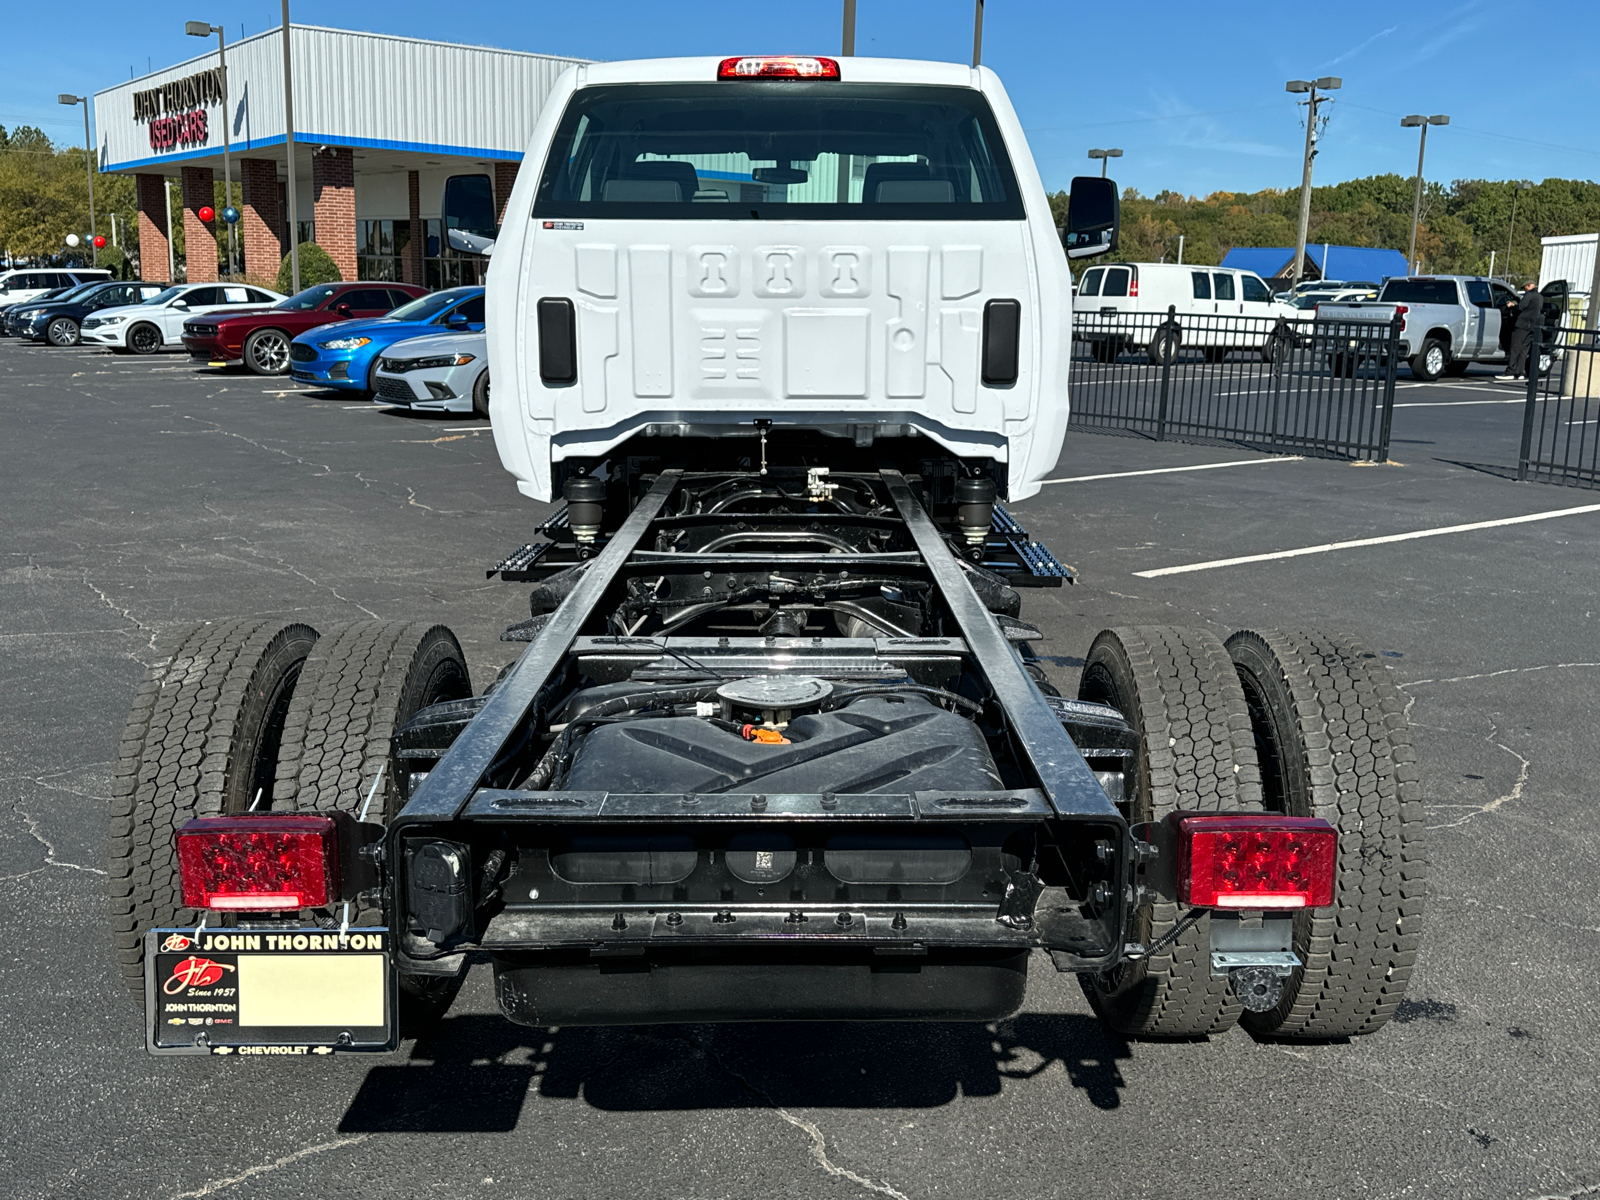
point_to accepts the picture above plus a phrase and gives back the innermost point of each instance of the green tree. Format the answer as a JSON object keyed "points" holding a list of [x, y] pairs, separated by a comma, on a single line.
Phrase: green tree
{"points": [[315, 267]]}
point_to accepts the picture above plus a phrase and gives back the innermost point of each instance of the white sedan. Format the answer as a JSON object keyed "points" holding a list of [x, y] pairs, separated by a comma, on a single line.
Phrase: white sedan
{"points": [[442, 372], [157, 324]]}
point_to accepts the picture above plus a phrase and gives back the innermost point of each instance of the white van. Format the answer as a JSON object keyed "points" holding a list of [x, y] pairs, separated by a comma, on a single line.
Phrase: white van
{"points": [[1123, 306]]}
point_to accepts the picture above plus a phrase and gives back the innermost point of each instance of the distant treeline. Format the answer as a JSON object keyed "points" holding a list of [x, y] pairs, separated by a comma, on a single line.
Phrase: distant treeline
{"points": [[1461, 224]]}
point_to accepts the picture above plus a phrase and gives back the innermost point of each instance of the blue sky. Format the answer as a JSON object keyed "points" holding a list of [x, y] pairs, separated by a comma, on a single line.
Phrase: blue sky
{"points": [[1193, 93]]}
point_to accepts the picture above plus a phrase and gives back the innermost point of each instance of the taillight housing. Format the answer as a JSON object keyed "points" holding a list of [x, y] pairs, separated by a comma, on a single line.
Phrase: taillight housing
{"points": [[778, 66], [1133, 287], [1255, 861], [259, 862], [1400, 310]]}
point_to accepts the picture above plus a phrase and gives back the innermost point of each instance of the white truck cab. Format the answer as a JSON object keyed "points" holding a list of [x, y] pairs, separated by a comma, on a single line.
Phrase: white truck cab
{"points": [[705, 248]]}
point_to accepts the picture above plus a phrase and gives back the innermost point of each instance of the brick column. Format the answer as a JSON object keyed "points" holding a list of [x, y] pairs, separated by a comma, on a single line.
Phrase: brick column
{"points": [[333, 196], [152, 228], [417, 239], [261, 222], [199, 243], [505, 175]]}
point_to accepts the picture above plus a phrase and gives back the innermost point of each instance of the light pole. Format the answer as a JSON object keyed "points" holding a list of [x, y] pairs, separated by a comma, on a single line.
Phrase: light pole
{"points": [[88, 154], [1327, 83], [1521, 187], [288, 145], [202, 29], [977, 32], [848, 41], [1417, 121], [1102, 155]]}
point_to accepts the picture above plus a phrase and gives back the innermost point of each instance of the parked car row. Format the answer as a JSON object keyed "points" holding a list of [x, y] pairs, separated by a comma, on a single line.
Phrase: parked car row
{"points": [[399, 343]]}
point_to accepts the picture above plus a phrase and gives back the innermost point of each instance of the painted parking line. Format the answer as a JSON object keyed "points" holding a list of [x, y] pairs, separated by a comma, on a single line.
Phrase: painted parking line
{"points": [[1374, 541], [1455, 403], [1237, 462]]}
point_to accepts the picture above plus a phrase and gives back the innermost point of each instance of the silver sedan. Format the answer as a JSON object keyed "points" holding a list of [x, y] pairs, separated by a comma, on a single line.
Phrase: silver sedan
{"points": [[444, 372]]}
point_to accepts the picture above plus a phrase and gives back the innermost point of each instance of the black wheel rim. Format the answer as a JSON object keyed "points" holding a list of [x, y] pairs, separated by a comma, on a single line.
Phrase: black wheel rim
{"points": [[144, 339]]}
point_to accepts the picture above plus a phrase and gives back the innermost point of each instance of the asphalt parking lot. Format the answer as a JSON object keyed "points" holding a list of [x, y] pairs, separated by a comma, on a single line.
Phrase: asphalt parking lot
{"points": [[143, 494]]}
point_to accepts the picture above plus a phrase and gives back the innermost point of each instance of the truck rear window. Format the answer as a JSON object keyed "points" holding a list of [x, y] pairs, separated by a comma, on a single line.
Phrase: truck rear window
{"points": [[1420, 291], [778, 150]]}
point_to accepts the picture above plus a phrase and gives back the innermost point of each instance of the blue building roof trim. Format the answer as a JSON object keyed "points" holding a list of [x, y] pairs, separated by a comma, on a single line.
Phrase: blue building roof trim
{"points": [[1338, 262]]}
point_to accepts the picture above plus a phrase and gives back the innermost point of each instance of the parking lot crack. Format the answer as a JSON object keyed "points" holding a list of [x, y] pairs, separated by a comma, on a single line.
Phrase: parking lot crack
{"points": [[256, 551], [819, 1144], [51, 855], [150, 631], [277, 1164]]}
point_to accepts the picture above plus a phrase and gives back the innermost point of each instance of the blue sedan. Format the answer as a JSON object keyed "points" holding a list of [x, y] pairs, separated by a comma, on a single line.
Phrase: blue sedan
{"points": [[344, 355]]}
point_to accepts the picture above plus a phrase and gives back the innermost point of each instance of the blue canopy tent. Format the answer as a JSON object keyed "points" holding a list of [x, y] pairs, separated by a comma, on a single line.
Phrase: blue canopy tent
{"points": [[1322, 262]]}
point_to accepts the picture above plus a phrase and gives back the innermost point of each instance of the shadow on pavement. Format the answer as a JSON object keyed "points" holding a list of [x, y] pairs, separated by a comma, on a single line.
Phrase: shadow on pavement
{"points": [[475, 1073]]}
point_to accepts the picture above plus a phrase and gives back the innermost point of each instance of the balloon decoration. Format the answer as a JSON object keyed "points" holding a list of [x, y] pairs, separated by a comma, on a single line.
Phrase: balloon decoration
{"points": [[72, 239], [230, 215], [207, 213], [99, 241]]}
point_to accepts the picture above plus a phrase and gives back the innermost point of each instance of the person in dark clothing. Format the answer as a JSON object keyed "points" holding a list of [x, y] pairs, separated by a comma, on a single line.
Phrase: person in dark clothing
{"points": [[1530, 313]]}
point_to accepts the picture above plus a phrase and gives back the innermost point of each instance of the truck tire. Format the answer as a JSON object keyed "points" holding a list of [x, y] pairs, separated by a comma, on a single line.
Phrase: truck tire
{"points": [[1457, 367], [361, 683], [62, 331], [1333, 742], [266, 352], [1428, 363], [1178, 688], [202, 740]]}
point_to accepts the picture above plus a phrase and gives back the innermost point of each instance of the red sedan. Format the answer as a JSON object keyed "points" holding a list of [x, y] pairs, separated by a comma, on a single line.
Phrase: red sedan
{"points": [[261, 336]]}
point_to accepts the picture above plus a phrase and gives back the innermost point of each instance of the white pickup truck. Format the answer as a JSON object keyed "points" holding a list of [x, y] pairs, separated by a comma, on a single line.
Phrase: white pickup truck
{"points": [[1448, 322], [785, 333]]}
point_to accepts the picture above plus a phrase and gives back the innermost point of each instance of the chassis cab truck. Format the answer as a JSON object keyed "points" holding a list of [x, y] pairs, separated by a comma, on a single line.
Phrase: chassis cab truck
{"points": [[786, 336]]}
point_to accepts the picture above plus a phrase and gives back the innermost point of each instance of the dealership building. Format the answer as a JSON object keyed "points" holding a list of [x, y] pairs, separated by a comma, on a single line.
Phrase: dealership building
{"points": [[379, 123]]}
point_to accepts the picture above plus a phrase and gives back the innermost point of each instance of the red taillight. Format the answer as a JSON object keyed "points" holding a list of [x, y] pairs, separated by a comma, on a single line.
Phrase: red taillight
{"points": [[259, 863], [1133, 286], [1265, 861], [1400, 310], [778, 66]]}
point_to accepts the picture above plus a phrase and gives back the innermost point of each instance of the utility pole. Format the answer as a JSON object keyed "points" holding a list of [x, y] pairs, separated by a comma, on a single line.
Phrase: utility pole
{"points": [[1327, 83], [848, 47], [1418, 121], [172, 262], [1521, 187], [288, 145], [977, 33], [201, 29], [88, 153]]}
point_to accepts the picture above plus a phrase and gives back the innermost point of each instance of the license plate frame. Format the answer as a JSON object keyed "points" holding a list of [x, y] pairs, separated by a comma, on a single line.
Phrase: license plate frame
{"points": [[284, 991]]}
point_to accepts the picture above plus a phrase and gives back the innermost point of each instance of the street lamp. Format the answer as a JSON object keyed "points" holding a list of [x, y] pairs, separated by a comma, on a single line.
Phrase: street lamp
{"points": [[1417, 121], [1102, 155], [1521, 187], [88, 153], [1328, 83], [202, 29]]}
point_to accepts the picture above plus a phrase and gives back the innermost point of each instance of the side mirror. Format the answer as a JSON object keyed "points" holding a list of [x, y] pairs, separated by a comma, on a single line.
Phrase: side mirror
{"points": [[1094, 212], [457, 318], [469, 214], [344, 310], [180, 302]]}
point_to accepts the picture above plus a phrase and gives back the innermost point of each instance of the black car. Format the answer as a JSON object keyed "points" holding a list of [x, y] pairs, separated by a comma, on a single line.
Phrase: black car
{"points": [[57, 321], [9, 312]]}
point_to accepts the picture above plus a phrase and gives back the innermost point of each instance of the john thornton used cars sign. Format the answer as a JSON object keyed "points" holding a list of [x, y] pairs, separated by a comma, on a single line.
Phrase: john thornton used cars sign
{"points": [[187, 99]]}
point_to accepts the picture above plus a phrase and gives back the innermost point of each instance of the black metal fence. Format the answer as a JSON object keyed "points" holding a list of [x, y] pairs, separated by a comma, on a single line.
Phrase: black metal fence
{"points": [[1561, 423], [1312, 387]]}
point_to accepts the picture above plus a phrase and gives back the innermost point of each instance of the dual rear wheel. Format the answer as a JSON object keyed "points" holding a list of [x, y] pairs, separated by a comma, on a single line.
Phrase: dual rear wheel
{"points": [[252, 716], [1303, 724]]}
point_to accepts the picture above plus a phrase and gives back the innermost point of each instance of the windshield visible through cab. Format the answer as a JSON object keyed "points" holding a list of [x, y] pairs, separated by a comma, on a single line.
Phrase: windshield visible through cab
{"points": [[307, 300], [424, 307], [742, 150], [171, 293]]}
